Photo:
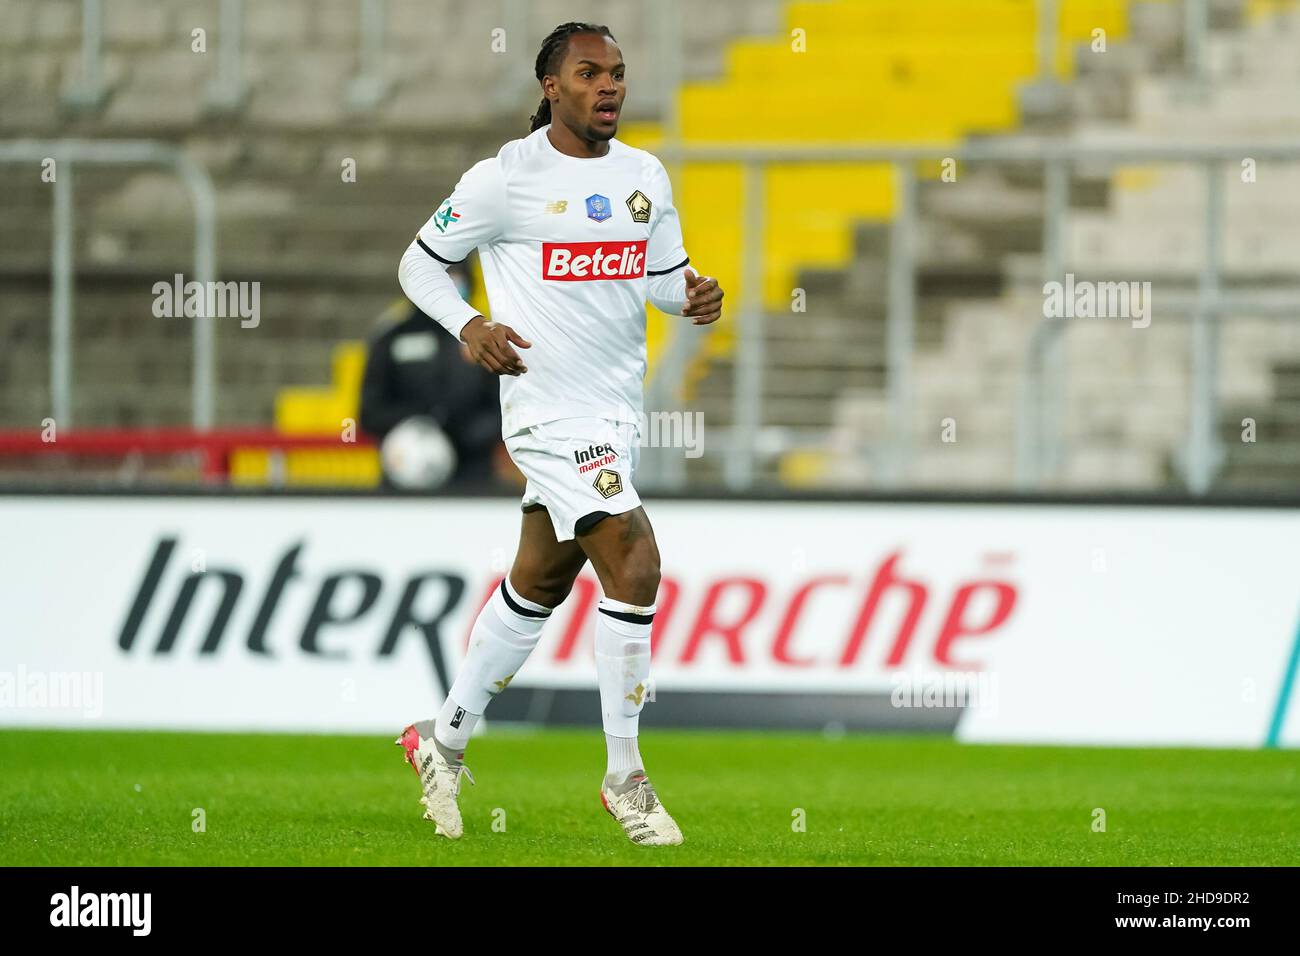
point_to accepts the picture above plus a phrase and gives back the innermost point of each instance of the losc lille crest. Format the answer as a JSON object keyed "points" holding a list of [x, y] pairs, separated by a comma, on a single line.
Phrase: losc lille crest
{"points": [[608, 483], [639, 206]]}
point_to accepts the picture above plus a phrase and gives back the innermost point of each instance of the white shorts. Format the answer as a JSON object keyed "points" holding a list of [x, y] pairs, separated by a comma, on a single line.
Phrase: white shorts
{"points": [[577, 467]]}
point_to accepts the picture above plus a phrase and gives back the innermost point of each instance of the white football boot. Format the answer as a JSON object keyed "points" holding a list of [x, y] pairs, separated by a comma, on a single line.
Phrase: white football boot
{"points": [[635, 805], [439, 770]]}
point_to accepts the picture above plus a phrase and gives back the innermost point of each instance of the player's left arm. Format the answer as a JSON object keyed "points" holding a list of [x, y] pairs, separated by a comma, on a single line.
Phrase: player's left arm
{"points": [[672, 286]]}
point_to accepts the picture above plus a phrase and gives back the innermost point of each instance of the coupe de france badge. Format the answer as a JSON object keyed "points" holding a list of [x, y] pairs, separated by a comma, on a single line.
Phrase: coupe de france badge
{"points": [[597, 207]]}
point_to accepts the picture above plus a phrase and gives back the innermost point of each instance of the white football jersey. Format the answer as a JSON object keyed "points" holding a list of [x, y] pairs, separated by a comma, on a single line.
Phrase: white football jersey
{"points": [[567, 247]]}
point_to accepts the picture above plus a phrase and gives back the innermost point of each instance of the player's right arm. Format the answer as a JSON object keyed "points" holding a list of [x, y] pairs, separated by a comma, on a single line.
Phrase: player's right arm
{"points": [[472, 216]]}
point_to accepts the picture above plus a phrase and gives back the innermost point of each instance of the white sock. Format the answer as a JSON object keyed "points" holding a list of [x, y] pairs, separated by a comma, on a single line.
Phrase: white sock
{"points": [[622, 757], [505, 633], [454, 725], [623, 673]]}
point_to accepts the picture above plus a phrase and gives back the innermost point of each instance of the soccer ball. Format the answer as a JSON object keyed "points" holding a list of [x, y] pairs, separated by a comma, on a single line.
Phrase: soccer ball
{"points": [[417, 455]]}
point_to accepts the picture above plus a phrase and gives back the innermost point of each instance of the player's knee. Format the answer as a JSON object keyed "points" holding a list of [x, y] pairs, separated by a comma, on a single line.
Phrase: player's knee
{"points": [[554, 592], [636, 578], [545, 588]]}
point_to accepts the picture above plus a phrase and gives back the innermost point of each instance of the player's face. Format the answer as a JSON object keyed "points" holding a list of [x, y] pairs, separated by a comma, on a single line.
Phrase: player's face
{"points": [[591, 87]]}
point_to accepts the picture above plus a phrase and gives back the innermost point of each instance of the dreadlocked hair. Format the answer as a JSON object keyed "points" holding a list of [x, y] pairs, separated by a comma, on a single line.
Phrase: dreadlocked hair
{"points": [[551, 56]]}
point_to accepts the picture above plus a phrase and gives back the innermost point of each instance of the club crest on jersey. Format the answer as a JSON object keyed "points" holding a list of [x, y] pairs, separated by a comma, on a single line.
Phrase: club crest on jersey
{"points": [[608, 483], [639, 206], [598, 207]]}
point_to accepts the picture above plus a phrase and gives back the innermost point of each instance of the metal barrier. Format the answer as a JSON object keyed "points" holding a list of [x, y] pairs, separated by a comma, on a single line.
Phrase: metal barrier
{"points": [[1041, 392], [88, 93], [370, 84], [227, 90], [68, 154]]}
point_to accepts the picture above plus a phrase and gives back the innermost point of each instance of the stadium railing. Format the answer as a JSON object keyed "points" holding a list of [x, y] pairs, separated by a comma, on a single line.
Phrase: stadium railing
{"points": [[67, 155], [232, 457], [1043, 373]]}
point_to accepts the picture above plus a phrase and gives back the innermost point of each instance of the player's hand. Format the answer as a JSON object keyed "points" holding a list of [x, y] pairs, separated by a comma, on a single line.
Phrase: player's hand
{"points": [[491, 346], [703, 299]]}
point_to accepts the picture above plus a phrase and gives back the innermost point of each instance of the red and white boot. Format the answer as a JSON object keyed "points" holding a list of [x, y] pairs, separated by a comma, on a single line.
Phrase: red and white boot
{"points": [[439, 770]]}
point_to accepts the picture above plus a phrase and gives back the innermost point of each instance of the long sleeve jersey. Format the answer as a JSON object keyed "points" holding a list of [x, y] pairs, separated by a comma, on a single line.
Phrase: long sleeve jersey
{"points": [[571, 250]]}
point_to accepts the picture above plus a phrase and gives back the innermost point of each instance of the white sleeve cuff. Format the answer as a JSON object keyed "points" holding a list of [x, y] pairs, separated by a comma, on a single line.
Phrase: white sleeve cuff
{"points": [[667, 292], [425, 281]]}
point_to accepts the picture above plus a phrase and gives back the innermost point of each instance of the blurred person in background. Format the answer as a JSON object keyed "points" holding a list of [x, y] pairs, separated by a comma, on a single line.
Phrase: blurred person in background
{"points": [[435, 414]]}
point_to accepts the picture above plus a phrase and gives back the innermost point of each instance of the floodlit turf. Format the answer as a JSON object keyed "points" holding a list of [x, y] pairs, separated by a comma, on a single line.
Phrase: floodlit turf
{"points": [[110, 798]]}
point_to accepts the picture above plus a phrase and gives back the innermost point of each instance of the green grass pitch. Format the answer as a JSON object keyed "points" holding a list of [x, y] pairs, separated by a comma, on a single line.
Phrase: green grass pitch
{"points": [[123, 798]]}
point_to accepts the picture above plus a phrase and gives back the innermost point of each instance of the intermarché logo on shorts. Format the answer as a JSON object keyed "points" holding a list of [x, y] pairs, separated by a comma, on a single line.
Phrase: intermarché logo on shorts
{"points": [[593, 457]]}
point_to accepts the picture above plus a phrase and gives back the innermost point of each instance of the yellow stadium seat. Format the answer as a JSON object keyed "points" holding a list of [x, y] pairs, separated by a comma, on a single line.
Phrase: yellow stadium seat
{"points": [[304, 410], [848, 71]]}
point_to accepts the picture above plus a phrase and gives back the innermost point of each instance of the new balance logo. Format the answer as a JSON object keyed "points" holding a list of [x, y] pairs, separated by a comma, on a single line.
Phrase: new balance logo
{"points": [[458, 717], [557, 206]]}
